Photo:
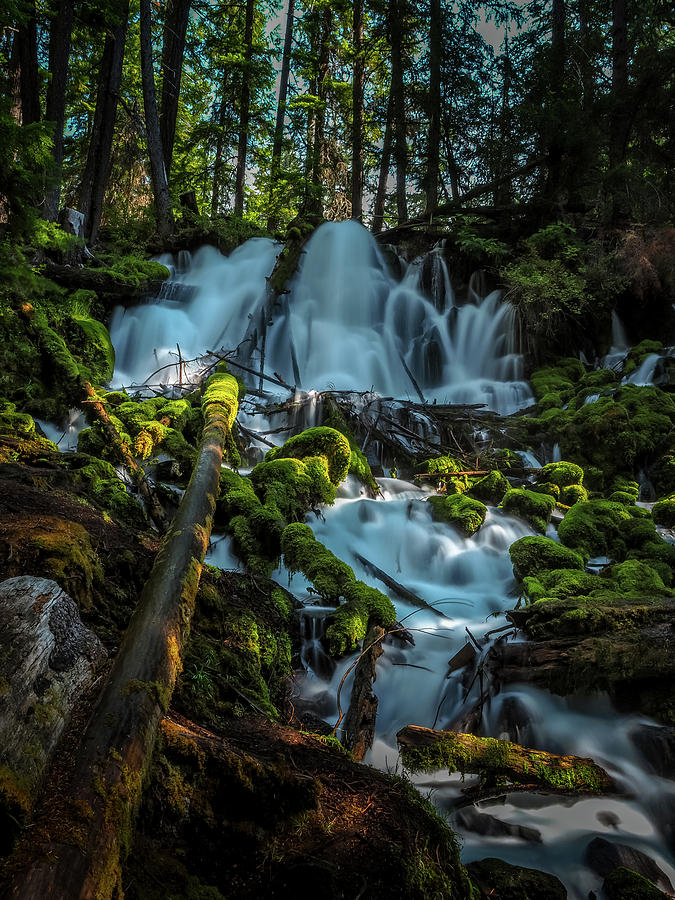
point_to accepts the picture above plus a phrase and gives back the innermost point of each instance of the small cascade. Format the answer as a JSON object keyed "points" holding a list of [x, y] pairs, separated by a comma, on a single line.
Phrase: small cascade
{"points": [[645, 373], [64, 434], [434, 279], [620, 345], [314, 658]]}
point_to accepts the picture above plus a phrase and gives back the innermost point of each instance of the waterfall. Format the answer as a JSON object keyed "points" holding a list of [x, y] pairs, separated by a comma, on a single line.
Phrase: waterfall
{"points": [[351, 324]]}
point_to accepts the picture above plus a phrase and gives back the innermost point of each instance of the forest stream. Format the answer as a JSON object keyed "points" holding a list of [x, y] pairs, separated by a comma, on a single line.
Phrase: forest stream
{"points": [[352, 328]]}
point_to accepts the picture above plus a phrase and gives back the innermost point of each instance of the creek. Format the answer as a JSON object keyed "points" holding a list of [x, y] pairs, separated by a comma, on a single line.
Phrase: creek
{"points": [[352, 326]]}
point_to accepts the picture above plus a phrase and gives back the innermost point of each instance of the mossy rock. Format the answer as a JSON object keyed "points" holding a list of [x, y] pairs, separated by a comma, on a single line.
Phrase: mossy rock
{"points": [[624, 884], [19, 440], [547, 487], [663, 512], [599, 528], [561, 473], [559, 379], [531, 555], [465, 513], [502, 881], [89, 340], [320, 441], [533, 507], [490, 489], [572, 494], [441, 465]]}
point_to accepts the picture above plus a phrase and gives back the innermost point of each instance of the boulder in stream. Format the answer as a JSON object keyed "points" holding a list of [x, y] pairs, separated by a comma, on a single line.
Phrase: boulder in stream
{"points": [[605, 856]]}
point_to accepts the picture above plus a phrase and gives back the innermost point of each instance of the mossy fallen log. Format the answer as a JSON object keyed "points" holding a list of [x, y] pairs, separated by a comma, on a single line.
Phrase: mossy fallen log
{"points": [[426, 750], [359, 727], [81, 857]]}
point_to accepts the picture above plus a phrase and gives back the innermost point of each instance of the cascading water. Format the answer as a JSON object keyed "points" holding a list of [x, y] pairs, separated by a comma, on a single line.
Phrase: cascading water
{"points": [[352, 327]]}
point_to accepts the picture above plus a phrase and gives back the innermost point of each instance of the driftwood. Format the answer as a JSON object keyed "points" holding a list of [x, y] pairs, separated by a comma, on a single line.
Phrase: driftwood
{"points": [[92, 404], [426, 750], [48, 660], [81, 858], [359, 727], [394, 586]]}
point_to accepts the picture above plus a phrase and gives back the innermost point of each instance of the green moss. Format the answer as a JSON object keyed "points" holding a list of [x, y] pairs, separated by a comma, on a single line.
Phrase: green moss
{"points": [[547, 487], [490, 489], [320, 441], [441, 465], [598, 528], [533, 507], [19, 439], [531, 555], [333, 579], [502, 880], [558, 379], [89, 340], [624, 884], [333, 417], [575, 493], [465, 513], [663, 512], [561, 473]]}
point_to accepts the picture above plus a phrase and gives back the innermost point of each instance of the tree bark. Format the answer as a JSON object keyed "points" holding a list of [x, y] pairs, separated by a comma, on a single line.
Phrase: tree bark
{"points": [[281, 113], [59, 53], [97, 168], [29, 84], [244, 110], [385, 163], [434, 138], [619, 122], [555, 127], [426, 750], [357, 111], [399, 111], [173, 51], [359, 727], [83, 854], [316, 202], [160, 185]]}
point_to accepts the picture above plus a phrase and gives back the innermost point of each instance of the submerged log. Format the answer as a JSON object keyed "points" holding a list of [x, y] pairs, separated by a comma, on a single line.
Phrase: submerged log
{"points": [[426, 750], [48, 660], [81, 856], [360, 719]]}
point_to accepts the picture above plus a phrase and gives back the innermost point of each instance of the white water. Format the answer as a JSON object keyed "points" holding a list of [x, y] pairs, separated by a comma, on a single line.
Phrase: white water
{"points": [[644, 374], [349, 322], [470, 582]]}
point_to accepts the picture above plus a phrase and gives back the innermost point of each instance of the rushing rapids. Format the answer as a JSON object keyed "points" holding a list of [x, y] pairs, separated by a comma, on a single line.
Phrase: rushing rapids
{"points": [[354, 327]]}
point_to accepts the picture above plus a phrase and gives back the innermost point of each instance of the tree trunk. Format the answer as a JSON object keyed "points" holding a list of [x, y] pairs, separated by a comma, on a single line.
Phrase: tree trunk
{"points": [[83, 854], [555, 127], [281, 113], [160, 185], [385, 163], [399, 111], [97, 168], [357, 112], [220, 149], [426, 750], [434, 139], [620, 115], [316, 203], [244, 110], [29, 84], [173, 51], [359, 727], [59, 53]]}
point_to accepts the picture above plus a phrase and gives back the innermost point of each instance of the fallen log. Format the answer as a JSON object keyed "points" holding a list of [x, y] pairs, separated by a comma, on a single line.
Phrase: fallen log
{"points": [[359, 727], [91, 403], [81, 856], [426, 750], [394, 586]]}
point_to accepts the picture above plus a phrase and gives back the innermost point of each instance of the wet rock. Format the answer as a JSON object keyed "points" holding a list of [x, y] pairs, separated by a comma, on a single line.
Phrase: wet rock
{"points": [[47, 660], [604, 856], [487, 825], [501, 881], [623, 884], [657, 745]]}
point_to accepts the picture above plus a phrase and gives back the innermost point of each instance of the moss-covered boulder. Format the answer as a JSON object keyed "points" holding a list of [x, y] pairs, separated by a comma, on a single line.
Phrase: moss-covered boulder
{"points": [[663, 512], [531, 555], [534, 507], [502, 881], [465, 513], [320, 441], [560, 379], [599, 528], [562, 473], [19, 439], [624, 884], [490, 489]]}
